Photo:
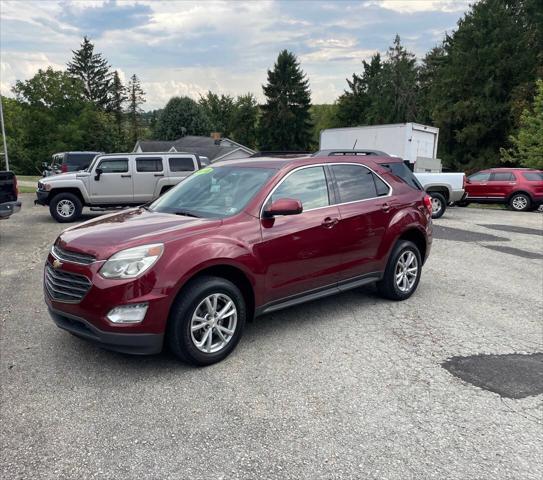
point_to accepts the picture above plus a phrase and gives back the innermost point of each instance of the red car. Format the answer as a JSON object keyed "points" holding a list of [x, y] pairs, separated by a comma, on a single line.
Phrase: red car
{"points": [[520, 188], [233, 241]]}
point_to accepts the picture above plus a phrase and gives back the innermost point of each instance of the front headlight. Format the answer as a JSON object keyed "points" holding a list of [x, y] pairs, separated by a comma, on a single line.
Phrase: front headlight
{"points": [[132, 262]]}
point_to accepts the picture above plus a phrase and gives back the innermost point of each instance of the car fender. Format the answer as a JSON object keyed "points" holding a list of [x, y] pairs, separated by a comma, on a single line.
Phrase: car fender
{"points": [[168, 181], [197, 256], [402, 221], [71, 185]]}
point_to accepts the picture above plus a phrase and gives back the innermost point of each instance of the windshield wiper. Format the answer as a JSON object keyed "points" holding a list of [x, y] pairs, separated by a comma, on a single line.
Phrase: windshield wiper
{"points": [[185, 213]]}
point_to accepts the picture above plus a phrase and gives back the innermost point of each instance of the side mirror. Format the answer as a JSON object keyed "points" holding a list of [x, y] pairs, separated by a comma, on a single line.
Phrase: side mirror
{"points": [[284, 206], [99, 172]]}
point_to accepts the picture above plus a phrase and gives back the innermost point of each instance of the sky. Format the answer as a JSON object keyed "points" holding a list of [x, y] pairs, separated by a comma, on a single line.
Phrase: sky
{"points": [[190, 47]]}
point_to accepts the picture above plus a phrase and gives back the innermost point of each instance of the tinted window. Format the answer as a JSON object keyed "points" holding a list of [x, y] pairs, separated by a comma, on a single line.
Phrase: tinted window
{"points": [[118, 165], [533, 176], [502, 177], [181, 164], [149, 164], [307, 185], [401, 170], [354, 183], [479, 177], [381, 187]]}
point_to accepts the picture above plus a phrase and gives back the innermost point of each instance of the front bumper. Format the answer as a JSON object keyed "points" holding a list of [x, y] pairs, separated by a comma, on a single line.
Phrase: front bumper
{"points": [[42, 197], [9, 208], [133, 343]]}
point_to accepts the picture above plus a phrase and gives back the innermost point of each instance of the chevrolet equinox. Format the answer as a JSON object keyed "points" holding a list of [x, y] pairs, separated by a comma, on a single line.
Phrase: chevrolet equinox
{"points": [[233, 241]]}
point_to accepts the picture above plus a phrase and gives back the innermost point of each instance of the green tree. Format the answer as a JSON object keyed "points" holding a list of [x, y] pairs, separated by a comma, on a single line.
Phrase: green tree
{"points": [[244, 120], [286, 122], [220, 112], [181, 116], [117, 102], [527, 143], [323, 116], [136, 98], [483, 78], [93, 71]]}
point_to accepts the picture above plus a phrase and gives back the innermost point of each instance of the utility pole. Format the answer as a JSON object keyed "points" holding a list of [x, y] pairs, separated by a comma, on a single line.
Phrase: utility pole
{"points": [[4, 141]]}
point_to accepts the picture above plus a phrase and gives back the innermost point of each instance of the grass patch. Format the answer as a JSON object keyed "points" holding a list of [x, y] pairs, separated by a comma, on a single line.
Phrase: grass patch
{"points": [[29, 178], [23, 189]]}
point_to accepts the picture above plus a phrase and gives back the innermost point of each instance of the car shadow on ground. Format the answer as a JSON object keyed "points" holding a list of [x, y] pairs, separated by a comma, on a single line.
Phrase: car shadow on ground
{"points": [[264, 329]]}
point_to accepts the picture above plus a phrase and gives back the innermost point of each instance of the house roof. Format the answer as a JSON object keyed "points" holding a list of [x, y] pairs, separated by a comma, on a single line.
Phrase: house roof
{"points": [[203, 146]]}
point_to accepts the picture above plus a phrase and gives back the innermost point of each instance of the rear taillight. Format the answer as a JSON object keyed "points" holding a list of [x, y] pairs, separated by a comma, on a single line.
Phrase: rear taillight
{"points": [[428, 203], [64, 168], [464, 182], [15, 186]]}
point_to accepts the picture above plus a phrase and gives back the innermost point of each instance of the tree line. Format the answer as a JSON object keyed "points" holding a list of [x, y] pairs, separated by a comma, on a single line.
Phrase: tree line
{"points": [[479, 86]]}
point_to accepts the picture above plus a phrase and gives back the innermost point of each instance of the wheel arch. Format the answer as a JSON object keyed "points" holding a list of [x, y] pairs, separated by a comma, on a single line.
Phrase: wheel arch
{"points": [[444, 190], [73, 190], [417, 237], [516, 192]]}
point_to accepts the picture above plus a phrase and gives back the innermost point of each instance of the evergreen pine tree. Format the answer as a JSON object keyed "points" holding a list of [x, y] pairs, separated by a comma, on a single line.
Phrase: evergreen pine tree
{"points": [[286, 120], [117, 101], [93, 71], [136, 98]]}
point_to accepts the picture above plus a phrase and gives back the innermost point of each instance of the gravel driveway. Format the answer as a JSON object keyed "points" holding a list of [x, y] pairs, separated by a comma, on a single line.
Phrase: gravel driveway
{"points": [[346, 387]]}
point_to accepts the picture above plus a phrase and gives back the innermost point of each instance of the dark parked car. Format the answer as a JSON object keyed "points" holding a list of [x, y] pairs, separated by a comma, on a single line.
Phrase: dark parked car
{"points": [[69, 162], [8, 194], [520, 188], [235, 240]]}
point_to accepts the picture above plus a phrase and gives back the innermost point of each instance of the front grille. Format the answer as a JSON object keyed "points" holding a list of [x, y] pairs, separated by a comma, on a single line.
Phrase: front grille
{"points": [[64, 286], [73, 257]]}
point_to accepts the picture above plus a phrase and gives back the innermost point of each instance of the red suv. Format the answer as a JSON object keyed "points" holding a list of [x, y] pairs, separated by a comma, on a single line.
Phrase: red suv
{"points": [[236, 240], [520, 188]]}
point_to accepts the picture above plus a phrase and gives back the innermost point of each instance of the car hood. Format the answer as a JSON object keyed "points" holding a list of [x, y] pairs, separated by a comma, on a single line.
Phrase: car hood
{"points": [[65, 176], [106, 235]]}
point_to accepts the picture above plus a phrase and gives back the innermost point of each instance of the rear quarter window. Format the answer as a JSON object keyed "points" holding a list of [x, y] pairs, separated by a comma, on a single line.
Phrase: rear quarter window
{"points": [[533, 176], [181, 164], [401, 170]]}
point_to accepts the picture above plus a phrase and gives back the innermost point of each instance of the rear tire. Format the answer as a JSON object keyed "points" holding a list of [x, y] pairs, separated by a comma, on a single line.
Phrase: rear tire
{"points": [[400, 279], [65, 207], [439, 204], [191, 320], [520, 202]]}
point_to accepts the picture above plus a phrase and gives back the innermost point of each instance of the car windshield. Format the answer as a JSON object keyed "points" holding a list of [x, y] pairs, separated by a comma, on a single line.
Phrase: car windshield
{"points": [[214, 192]]}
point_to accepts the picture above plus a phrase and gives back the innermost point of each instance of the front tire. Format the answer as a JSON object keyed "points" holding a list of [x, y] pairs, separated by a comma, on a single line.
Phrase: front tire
{"points": [[520, 202], [439, 204], [65, 207], [206, 321], [402, 274]]}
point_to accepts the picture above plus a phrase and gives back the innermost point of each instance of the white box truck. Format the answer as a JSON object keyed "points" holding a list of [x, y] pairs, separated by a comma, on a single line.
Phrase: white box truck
{"points": [[409, 141]]}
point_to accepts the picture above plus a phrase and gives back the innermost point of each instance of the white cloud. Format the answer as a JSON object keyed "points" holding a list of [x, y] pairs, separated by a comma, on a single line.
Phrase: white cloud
{"points": [[413, 6]]}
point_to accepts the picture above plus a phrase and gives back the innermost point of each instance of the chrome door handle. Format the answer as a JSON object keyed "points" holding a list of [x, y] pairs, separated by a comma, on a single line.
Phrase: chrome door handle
{"points": [[329, 222]]}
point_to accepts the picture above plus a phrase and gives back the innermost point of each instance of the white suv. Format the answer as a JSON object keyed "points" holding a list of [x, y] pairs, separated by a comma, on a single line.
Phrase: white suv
{"points": [[114, 180]]}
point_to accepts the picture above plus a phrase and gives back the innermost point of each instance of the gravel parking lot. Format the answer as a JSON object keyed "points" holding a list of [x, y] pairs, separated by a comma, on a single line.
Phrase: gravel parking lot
{"points": [[346, 387]]}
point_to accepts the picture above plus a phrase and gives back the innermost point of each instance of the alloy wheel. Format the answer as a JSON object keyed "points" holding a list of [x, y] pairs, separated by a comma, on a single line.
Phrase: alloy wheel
{"points": [[436, 205], [213, 323], [65, 208], [406, 271], [520, 202]]}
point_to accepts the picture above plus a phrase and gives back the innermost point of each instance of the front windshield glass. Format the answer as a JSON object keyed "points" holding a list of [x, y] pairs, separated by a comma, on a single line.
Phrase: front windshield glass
{"points": [[214, 192]]}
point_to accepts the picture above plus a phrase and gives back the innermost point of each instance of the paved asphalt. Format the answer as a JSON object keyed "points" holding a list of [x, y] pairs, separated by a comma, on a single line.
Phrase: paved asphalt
{"points": [[346, 387]]}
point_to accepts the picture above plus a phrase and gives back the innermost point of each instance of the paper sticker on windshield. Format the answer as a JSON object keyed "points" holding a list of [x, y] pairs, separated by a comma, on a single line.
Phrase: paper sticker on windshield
{"points": [[204, 171]]}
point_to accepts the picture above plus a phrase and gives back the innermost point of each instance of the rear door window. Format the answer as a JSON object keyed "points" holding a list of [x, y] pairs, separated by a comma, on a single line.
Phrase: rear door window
{"points": [[401, 170], [307, 185], [149, 164], [354, 182], [502, 177], [181, 164]]}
